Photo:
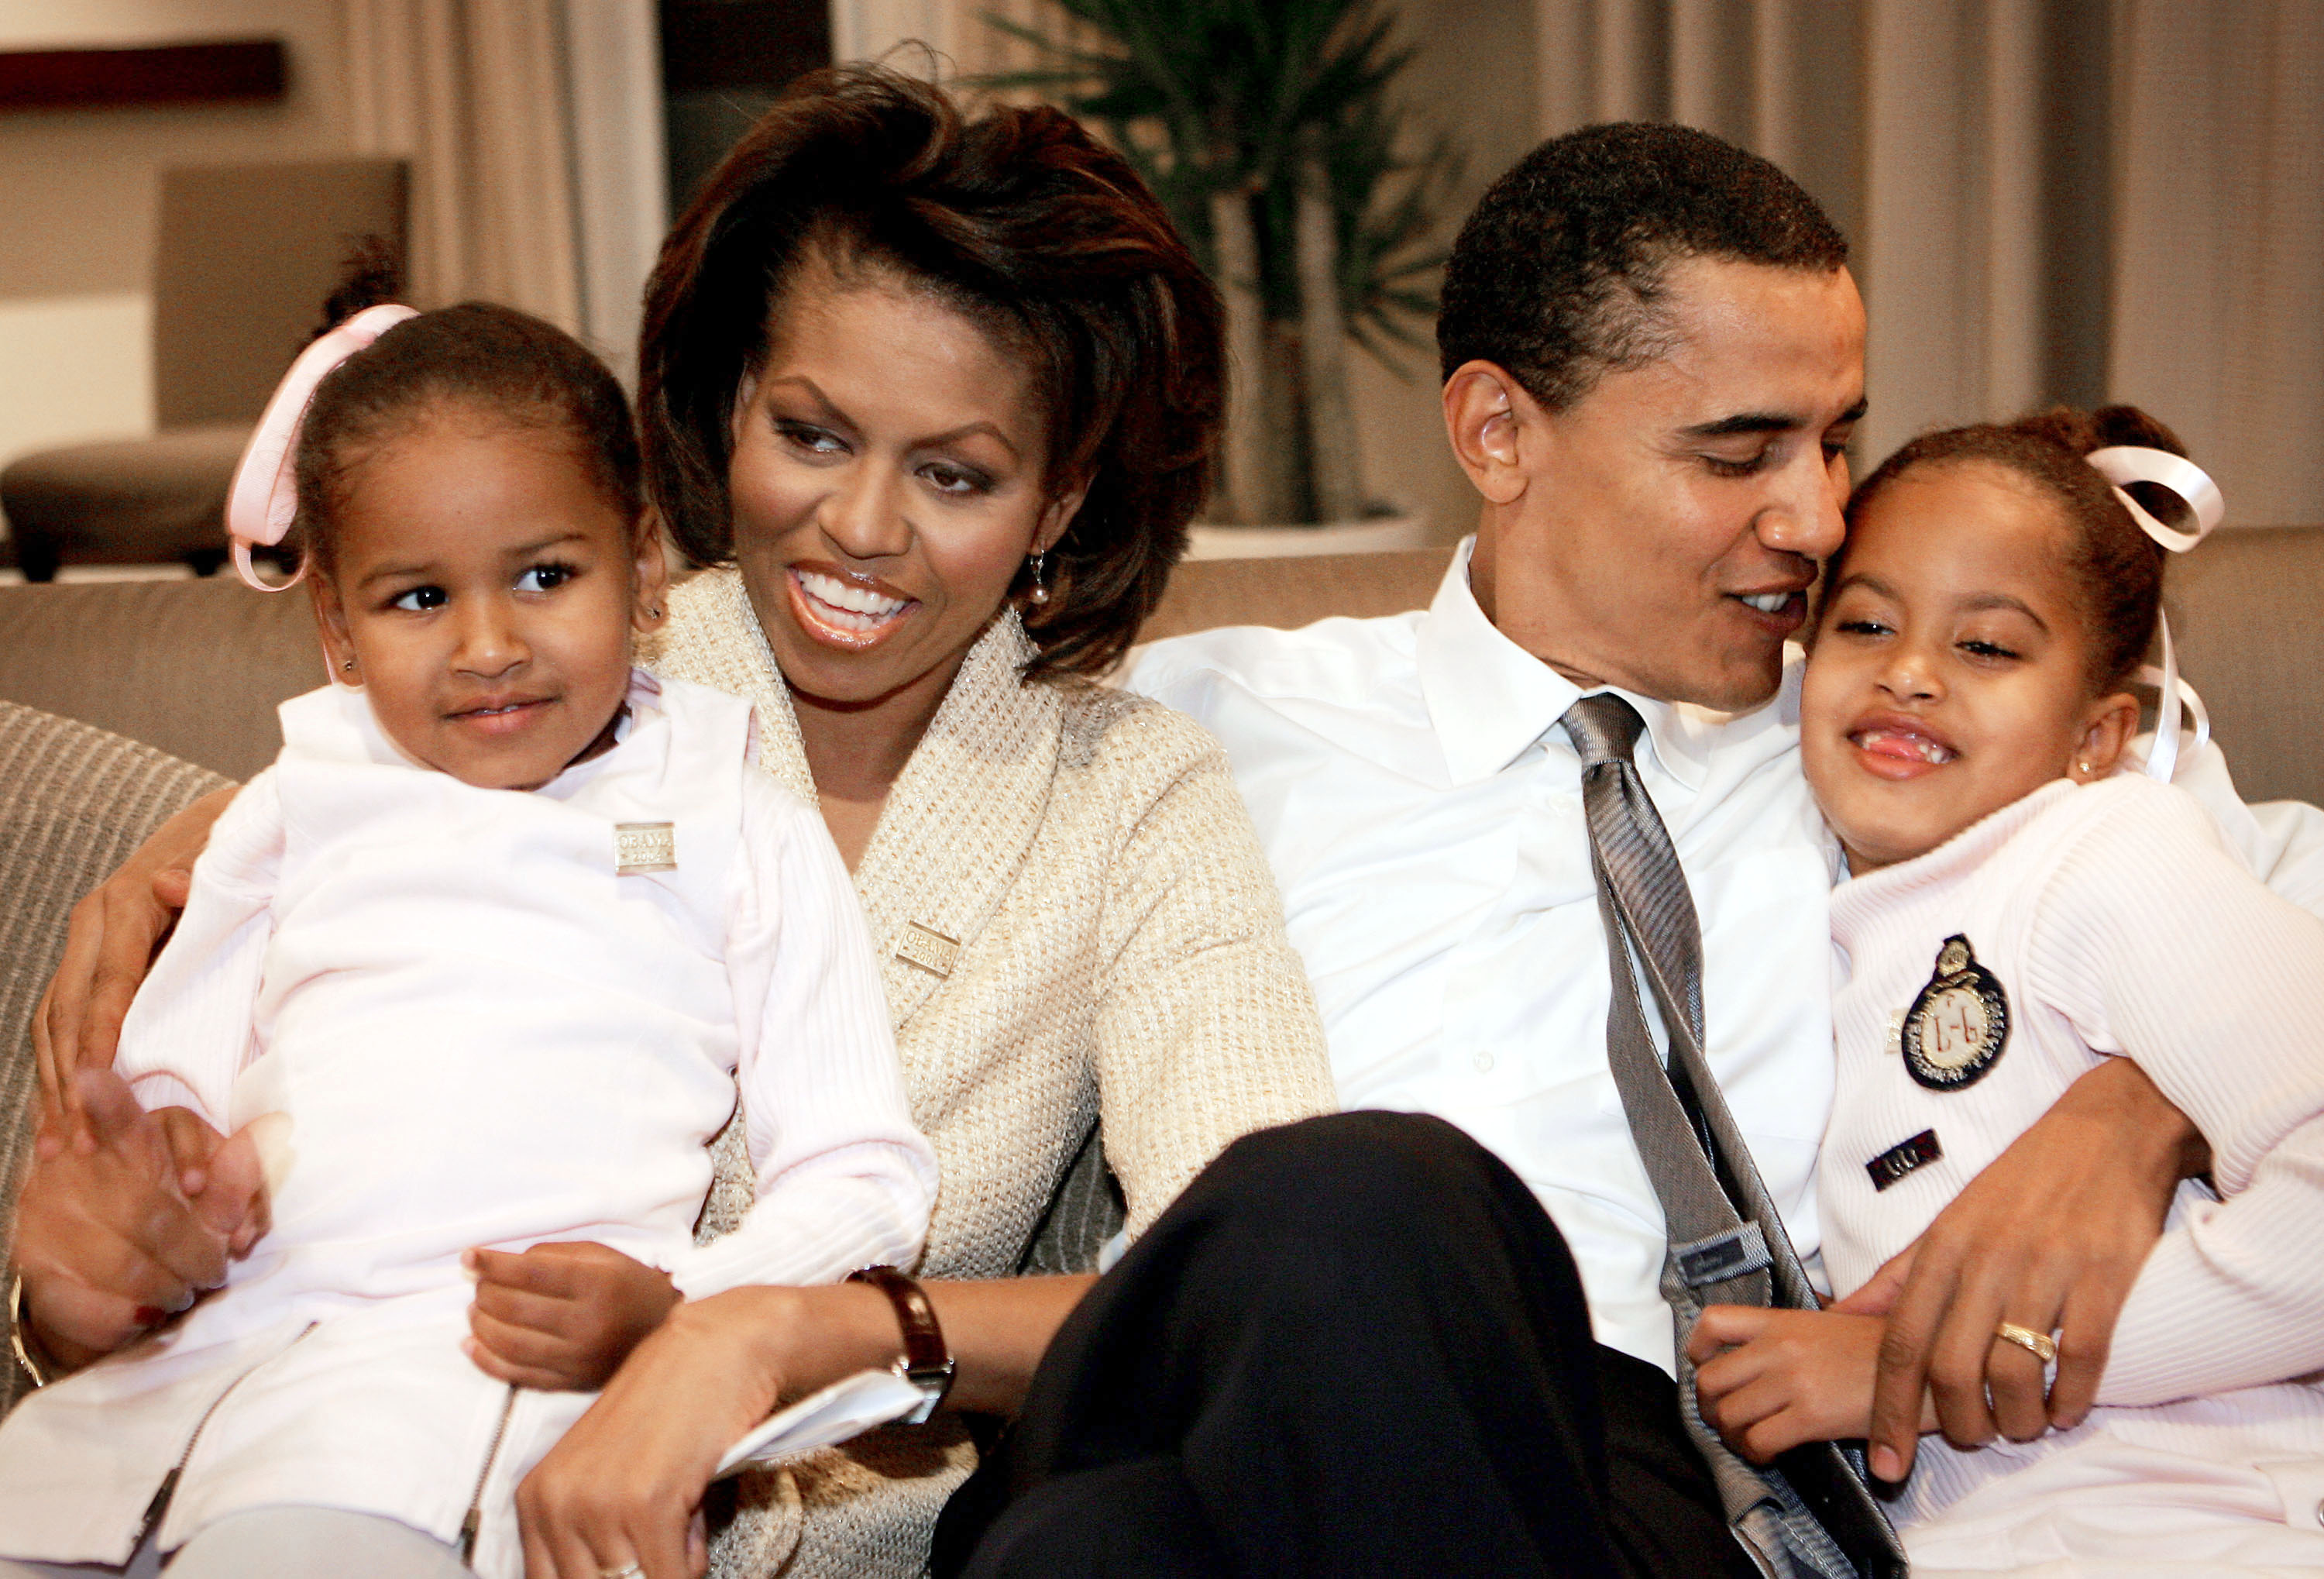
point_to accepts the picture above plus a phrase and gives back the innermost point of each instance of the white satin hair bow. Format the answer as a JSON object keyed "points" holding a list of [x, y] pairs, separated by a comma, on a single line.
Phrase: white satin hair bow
{"points": [[265, 498], [2123, 464]]}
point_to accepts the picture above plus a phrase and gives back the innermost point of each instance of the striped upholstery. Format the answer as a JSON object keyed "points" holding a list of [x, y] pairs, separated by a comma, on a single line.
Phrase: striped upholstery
{"points": [[74, 802]]}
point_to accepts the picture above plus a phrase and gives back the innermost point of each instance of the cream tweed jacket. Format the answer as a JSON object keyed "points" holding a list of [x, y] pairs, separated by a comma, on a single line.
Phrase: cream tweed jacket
{"points": [[1075, 925]]}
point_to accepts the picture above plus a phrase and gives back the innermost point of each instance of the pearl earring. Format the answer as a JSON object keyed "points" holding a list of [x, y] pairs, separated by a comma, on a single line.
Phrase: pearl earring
{"points": [[349, 665], [1040, 595]]}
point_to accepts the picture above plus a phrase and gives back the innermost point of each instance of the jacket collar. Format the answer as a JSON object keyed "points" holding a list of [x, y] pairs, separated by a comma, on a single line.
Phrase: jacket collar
{"points": [[1490, 700], [961, 816]]}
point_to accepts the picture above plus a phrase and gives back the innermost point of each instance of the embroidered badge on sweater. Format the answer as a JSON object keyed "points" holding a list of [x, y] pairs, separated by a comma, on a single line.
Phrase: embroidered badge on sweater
{"points": [[644, 846], [1959, 1022]]}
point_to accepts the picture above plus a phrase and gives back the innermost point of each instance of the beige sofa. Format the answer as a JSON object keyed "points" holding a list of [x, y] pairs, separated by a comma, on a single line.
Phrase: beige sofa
{"points": [[193, 669]]}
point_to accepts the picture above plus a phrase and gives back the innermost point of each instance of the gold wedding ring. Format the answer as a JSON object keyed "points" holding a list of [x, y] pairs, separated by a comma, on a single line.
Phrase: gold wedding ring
{"points": [[2040, 1346]]}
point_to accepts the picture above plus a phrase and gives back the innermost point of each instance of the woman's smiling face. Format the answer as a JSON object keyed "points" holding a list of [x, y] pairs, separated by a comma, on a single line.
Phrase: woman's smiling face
{"points": [[1950, 675], [888, 480]]}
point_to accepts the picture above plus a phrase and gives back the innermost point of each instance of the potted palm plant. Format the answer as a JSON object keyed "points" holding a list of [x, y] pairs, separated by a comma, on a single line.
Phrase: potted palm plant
{"points": [[1270, 129]]}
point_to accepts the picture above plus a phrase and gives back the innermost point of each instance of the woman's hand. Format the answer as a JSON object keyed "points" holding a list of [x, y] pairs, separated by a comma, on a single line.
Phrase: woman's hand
{"points": [[562, 1315], [2050, 1237], [1770, 1380], [115, 929], [127, 1216], [624, 1485]]}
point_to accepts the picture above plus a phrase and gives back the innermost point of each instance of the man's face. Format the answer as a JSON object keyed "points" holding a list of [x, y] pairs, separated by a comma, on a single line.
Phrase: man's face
{"points": [[1661, 533]]}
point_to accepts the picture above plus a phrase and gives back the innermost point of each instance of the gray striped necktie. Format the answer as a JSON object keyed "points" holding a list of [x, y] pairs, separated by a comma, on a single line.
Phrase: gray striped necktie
{"points": [[1812, 1514]]}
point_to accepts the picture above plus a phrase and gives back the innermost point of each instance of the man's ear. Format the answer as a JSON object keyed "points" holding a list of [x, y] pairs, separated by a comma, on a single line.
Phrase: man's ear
{"points": [[2106, 731], [649, 573], [1486, 410], [331, 619]]}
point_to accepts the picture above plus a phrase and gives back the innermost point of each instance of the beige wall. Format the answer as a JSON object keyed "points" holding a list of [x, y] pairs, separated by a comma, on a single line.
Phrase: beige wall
{"points": [[76, 200], [1474, 76]]}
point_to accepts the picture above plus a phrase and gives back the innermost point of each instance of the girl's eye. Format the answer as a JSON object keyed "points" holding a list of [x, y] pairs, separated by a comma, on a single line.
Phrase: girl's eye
{"points": [[543, 577], [1862, 627], [1990, 650], [419, 599]]}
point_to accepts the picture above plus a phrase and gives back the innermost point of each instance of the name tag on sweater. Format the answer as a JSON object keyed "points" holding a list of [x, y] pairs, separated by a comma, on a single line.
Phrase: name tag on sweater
{"points": [[1902, 1157]]}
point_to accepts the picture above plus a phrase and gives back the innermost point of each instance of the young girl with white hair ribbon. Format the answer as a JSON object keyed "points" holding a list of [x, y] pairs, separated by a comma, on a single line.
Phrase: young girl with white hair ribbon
{"points": [[470, 974], [2026, 897]]}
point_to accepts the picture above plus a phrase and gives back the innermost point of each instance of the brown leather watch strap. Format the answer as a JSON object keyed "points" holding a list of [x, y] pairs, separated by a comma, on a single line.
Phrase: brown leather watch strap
{"points": [[928, 1363]]}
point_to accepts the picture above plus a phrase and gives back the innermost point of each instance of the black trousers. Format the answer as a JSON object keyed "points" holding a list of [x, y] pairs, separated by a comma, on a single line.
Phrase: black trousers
{"points": [[1355, 1345]]}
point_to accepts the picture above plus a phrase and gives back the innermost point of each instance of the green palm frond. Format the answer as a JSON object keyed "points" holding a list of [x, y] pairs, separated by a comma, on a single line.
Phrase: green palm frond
{"points": [[1212, 95]]}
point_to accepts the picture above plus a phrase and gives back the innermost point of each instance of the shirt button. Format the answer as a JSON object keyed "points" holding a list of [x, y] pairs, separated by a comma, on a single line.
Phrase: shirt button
{"points": [[1484, 1060], [2320, 1512]]}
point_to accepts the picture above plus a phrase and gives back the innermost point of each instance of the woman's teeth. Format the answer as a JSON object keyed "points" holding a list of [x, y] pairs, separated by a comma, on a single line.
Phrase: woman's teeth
{"points": [[1903, 745], [847, 605], [1766, 603]]}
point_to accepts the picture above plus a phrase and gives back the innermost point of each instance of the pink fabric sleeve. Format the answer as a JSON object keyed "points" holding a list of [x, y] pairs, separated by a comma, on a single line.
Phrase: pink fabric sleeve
{"points": [[845, 1178], [187, 1035], [2161, 947]]}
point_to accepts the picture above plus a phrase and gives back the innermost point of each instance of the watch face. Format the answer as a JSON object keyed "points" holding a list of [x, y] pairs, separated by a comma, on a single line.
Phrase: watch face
{"points": [[1959, 1023]]}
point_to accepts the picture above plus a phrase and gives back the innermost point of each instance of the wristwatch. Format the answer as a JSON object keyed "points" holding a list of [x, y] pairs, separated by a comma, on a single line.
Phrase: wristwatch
{"points": [[22, 1341], [926, 1361]]}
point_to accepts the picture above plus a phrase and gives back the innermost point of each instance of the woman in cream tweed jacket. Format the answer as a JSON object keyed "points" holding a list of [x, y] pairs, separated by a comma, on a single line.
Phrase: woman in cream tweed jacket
{"points": [[917, 377], [1118, 960]]}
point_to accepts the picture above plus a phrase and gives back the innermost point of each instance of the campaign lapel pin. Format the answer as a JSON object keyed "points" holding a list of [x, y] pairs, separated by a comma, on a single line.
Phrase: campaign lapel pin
{"points": [[644, 846], [927, 948], [1958, 1022]]}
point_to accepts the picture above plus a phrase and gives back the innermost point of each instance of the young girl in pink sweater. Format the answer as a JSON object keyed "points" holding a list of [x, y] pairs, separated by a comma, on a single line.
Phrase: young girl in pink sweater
{"points": [[2021, 902], [473, 969]]}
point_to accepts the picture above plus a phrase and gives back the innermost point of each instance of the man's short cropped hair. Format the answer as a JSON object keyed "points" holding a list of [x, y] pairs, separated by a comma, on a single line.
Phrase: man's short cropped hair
{"points": [[1559, 273]]}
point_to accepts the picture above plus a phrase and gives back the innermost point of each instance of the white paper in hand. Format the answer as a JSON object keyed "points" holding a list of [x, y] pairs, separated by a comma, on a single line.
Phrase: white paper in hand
{"points": [[844, 1409]]}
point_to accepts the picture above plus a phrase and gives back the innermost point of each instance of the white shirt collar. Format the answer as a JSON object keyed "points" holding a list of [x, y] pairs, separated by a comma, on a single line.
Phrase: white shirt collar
{"points": [[1490, 700]]}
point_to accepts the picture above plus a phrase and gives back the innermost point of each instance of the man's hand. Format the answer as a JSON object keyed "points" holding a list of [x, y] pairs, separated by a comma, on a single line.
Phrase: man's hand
{"points": [[108, 1238], [562, 1316], [1770, 1380], [110, 945], [2050, 1237]]}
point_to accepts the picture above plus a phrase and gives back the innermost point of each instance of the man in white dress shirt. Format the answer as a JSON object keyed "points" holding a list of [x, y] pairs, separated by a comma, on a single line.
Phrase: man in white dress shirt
{"points": [[1653, 357]]}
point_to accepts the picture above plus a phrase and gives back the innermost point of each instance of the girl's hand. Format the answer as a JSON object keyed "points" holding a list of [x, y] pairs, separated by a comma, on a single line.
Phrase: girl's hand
{"points": [[625, 1484], [1770, 1380], [562, 1316]]}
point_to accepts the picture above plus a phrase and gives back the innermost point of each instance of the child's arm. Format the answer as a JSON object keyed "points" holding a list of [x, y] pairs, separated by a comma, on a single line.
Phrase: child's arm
{"points": [[845, 1178], [189, 1033], [2178, 959]]}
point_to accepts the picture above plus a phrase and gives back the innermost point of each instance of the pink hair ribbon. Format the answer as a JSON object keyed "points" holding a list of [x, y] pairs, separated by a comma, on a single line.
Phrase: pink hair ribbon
{"points": [[2123, 464], [265, 498]]}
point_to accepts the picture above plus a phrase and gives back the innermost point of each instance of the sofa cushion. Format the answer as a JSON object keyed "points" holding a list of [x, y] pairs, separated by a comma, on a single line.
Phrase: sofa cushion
{"points": [[195, 668], [74, 802]]}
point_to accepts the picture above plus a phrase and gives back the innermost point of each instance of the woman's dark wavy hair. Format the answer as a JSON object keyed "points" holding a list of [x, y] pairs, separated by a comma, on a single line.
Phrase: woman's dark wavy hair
{"points": [[521, 369], [2116, 567], [1029, 228]]}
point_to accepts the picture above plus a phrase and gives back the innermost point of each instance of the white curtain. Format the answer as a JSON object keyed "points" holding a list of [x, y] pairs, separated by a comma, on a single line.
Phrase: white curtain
{"points": [[2218, 305], [2072, 200], [535, 135], [473, 93]]}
